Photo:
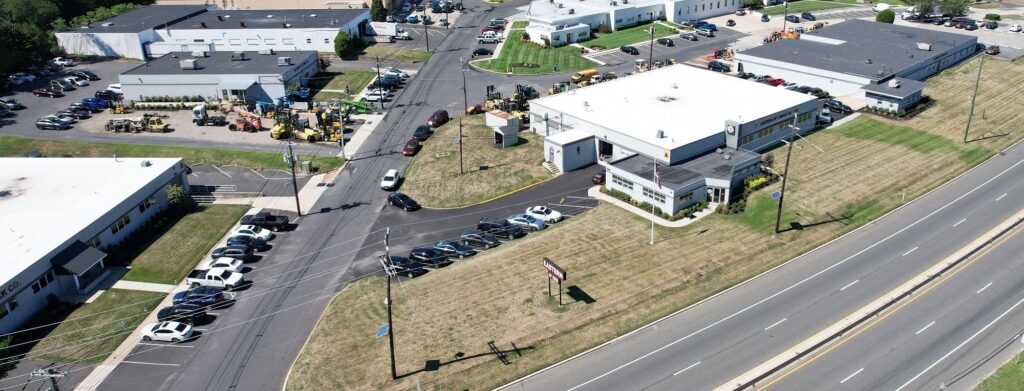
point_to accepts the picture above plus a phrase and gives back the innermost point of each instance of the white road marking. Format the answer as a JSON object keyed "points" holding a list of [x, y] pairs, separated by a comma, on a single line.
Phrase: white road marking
{"points": [[229, 176], [965, 342], [582, 198], [258, 173], [1001, 197], [213, 313], [775, 324], [808, 278], [684, 369], [983, 288], [149, 363], [572, 206], [961, 221], [163, 345], [851, 375], [908, 252], [848, 285], [198, 329], [924, 328]]}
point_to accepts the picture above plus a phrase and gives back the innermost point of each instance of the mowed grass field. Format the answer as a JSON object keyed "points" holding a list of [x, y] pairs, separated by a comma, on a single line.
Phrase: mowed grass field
{"points": [[517, 51], [1009, 377], [171, 255], [803, 6], [869, 166], [630, 35], [396, 53], [329, 85], [433, 177]]}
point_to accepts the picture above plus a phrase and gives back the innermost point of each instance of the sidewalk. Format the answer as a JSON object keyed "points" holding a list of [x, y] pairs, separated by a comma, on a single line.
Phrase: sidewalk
{"points": [[143, 286], [596, 193]]}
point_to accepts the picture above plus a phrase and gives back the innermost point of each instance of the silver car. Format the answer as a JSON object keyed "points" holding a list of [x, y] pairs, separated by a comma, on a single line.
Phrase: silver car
{"points": [[527, 222]]}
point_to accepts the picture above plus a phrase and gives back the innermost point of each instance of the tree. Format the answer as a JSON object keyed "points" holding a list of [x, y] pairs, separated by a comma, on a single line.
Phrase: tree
{"points": [[377, 11], [954, 7], [179, 200], [923, 7], [886, 16], [344, 44], [753, 4]]}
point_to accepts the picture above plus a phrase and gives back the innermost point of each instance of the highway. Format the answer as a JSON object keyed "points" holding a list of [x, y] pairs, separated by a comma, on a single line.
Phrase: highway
{"points": [[712, 342]]}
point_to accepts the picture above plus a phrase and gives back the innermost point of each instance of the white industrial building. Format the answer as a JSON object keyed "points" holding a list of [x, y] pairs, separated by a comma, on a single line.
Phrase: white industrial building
{"points": [[233, 76], [849, 58], [550, 17], [57, 215], [160, 29], [703, 129]]}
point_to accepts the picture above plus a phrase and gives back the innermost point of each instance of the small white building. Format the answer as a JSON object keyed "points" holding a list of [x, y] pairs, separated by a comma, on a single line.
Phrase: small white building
{"points": [[57, 215], [234, 76], [557, 15], [559, 35], [894, 95], [703, 129]]}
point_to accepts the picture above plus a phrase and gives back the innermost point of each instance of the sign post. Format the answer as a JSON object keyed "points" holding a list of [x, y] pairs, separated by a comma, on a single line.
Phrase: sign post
{"points": [[556, 272]]}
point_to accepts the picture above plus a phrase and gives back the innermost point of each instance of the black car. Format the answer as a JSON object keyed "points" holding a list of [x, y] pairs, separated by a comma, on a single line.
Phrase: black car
{"points": [[688, 36], [108, 95], [454, 249], [75, 113], [792, 19], [402, 201], [666, 42], [184, 312], [938, 21], [405, 267], [629, 50], [479, 239], [719, 66], [970, 26], [422, 132], [203, 296], [500, 228], [241, 253], [730, 22], [86, 75], [51, 124], [255, 243], [991, 25], [482, 52], [808, 16], [837, 106], [744, 75], [429, 257], [764, 18]]}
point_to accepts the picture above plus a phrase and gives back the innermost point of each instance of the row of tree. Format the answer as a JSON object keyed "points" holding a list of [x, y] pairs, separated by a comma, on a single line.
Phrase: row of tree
{"points": [[944, 7], [27, 26]]}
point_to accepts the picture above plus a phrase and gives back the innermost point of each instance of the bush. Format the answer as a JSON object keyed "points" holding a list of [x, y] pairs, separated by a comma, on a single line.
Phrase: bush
{"points": [[525, 36], [992, 16], [753, 4], [603, 29], [756, 183], [886, 16]]}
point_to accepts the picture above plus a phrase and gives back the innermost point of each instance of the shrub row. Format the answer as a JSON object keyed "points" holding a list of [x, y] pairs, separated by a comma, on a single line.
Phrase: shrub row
{"points": [[166, 98], [687, 212]]}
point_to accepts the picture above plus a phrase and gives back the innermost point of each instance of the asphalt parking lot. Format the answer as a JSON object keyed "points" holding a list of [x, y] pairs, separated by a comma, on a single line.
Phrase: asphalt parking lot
{"points": [[271, 183], [845, 13], [682, 51]]}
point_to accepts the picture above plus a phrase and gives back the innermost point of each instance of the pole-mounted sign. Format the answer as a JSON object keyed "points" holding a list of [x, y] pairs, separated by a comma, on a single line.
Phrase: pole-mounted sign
{"points": [[556, 272]]}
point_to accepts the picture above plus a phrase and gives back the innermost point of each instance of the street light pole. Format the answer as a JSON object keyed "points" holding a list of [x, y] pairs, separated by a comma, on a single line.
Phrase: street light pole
{"points": [[785, 173], [785, 7], [465, 105], [974, 98], [426, 34], [391, 327], [380, 89], [295, 183], [650, 57]]}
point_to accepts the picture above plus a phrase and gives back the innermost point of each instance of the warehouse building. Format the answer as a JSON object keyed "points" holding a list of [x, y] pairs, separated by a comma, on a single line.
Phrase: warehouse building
{"points": [[549, 18], [233, 76], [703, 130], [274, 4], [160, 29], [858, 56], [57, 215]]}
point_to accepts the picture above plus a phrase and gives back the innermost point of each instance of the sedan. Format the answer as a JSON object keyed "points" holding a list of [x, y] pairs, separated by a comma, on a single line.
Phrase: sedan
{"points": [[375, 96], [240, 253], [500, 228], [396, 72], [11, 103], [166, 331], [730, 23], [184, 312], [429, 257], [108, 95], [24, 77], [629, 50], [666, 42], [482, 52], [64, 62], [405, 267], [545, 214], [65, 116], [402, 201], [75, 113], [992, 50], [248, 241], [479, 239], [252, 230], [808, 16], [411, 147], [51, 124], [205, 296], [598, 178], [527, 222], [792, 18], [231, 264], [454, 249], [838, 106], [688, 36], [390, 180], [86, 75], [47, 92], [77, 81]]}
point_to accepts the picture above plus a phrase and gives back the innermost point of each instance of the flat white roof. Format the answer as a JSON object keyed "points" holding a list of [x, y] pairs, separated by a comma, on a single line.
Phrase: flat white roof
{"points": [[685, 102], [44, 202], [569, 137], [547, 10]]}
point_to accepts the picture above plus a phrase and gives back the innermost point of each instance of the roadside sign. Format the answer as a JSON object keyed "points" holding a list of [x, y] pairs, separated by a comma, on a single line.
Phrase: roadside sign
{"points": [[776, 195], [556, 272], [383, 330]]}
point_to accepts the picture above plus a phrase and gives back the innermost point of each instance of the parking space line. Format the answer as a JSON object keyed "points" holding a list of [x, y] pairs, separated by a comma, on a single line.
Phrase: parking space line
{"points": [[150, 363], [572, 206], [221, 171], [258, 173], [166, 345], [197, 329]]}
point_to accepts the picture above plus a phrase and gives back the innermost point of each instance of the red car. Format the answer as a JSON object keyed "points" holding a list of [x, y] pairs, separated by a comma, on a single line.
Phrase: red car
{"points": [[598, 178], [411, 147], [488, 28], [437, 119], [774, 82], [47, 92]]}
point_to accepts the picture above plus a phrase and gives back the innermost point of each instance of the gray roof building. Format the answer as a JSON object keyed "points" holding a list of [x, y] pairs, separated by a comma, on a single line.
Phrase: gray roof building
{"points": [[271, 19], [710, 165], [901, 89], [220, 63], [149, 17]]}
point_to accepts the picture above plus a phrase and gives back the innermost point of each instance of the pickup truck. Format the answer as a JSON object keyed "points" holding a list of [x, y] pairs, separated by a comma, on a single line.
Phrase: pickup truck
{"points": [[488, 39], [215, 278], [266, 220]]}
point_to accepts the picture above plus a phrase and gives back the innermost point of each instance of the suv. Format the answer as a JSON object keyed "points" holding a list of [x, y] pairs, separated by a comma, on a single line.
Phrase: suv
{"points": [[429, 257], [437, 119], [62, 85], [666, 42], [688, 36], [629, 50], [500, 228], [705, 32], [108, 95], [422, 132], [808, 16], [479, 239], [719, 66]]}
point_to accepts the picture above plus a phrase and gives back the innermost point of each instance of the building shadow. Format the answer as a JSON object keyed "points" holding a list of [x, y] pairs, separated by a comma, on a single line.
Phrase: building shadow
{"points": [[493, 351]]}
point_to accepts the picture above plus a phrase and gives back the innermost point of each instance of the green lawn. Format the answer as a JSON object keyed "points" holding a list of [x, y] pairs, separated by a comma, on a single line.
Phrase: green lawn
{"points": [[516, 51], [396, 53], [916, 140], [985, 5], [17, 146], [628, 36], [893, 2], [90, 332], [335, 83], [1012, 17], [1009, 377], [804, 6], [177, 247], [520, 24]]}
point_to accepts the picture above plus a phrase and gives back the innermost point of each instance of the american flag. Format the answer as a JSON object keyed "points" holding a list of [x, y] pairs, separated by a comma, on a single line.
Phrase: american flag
{"points": [[657, 175]]}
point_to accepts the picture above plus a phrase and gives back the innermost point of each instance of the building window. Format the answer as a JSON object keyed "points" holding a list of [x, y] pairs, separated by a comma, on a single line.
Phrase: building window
{"points": [[120, 224], [198, 40], [252, 41], [287, 41], [327, 40], [3, 311], [95, 241], [622, 182], [804, 117], [656, 196], [686, 197], [42, 282], [270, 41], [235, 42], [309, 40], [147, 204]]}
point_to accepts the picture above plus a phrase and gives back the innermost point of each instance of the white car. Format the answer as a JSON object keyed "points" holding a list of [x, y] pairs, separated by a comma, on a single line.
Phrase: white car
{"points": [[230, 264], [116, 88], [252, 230], [396, 72], [80, 82], [1015, 28], [167, 331], [881, 7], [527, 222], [544, 213], [64, 62], [390, 180], [375, 96], [825, 117]]}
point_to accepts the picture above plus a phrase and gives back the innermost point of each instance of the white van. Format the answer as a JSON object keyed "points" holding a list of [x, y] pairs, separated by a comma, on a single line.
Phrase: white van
{"points": [[116, 88], [881, 7]]}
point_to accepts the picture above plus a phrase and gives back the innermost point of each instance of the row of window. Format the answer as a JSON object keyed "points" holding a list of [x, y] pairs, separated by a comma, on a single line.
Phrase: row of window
{"points": [[622, 182], [768, 130], [256, 41], [707, 6], [120, 223], [684, 198], [654, 195], [146, 204], [43, 281]]}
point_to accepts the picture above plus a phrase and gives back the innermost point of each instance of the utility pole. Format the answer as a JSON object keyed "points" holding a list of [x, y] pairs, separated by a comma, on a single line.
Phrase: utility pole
{"points": [[50, 373], [465, 104], [650, 57], [389, 270], [426, 34], [785, 173], [380, 86], [295, 184], [785, 7], [974, 98]]}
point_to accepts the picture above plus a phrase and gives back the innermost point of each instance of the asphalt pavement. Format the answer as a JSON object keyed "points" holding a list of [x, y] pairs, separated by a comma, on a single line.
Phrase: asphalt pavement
{"points": [[682, 50], [713, 342]]}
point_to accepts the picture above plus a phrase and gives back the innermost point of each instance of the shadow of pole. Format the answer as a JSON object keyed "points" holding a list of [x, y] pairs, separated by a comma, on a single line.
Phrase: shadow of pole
{"points": [[434, 365]]}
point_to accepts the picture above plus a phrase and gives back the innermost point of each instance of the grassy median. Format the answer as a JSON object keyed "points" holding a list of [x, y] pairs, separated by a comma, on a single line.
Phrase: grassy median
{"points": [[434, 180], [617, 281], [1009, 377], [635, 34]]}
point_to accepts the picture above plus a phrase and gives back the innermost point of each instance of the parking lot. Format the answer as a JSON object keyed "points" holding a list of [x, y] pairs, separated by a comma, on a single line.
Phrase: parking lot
{"points": [[272, 183], [682, 51]]}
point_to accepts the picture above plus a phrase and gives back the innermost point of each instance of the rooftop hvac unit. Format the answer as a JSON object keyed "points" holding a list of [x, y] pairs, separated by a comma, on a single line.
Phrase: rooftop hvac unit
{"points": [[284, 61], [572, 11], [560, 5], [267, 51], [199, 53], [145, 163], [924, 46], [559, 27], [238, 56], [659, 134], [894, 83], [189, 64]]}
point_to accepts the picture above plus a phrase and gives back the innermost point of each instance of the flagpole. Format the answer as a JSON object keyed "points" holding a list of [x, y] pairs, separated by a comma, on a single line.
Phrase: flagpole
{"points": [[655, 177]]}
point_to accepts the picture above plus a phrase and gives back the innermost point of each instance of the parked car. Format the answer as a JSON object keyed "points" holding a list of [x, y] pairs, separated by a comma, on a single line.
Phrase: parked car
{"points": [[992, 50], [545, 214], [422, 132], [437, 119], [256, 244], [765, 18], [629, 50], [406, 267], [706, 26], [741, 12], [412, 19], [718, 66], [598, 178], [666, 42], [453, 248], [77, 113], [115, 87], [838, 106], [64, 62], [824, 117], [787, 85], [24, 77], [969, 26], [266, 220], [217, 278], [51, 123], [774, 82], [938, 21], [184, 313], [429, 257], [63, 115], [792, 18], [411, 147], [482, 52], [688, 36], [11, 103], [87, 75], [373, 95], [254, 231], [527, 222], [479, 239], [500, 228], [390, 19], [100, 104], [1015, 28], [744, 75], [402, 201], [47, 92], [62, 85], [167, 332], [226, 263], [205, 296], [242, 253], [705, 32], [108, 95], [808, 16], [390, 180], [76, 81], [730, 23]]}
